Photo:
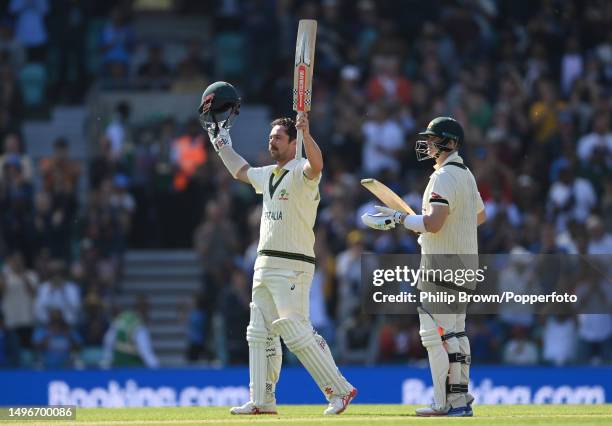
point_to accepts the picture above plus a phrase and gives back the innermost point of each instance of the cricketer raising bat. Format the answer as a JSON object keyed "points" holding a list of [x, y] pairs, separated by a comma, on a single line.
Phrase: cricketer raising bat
{"points": [[388, 197], [302, 76]]}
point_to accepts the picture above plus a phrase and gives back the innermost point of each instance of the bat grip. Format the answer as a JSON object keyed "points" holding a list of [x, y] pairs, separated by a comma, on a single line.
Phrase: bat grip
{"points": [[299, 142]]}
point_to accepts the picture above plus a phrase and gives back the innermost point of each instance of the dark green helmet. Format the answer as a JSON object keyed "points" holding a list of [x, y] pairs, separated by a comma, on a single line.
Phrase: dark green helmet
{"points": [[219, 106], [445, 127]]}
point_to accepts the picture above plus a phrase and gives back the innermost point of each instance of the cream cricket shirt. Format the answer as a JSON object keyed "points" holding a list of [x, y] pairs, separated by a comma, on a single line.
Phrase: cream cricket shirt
{"points": [[290, 201], [453, 184]]}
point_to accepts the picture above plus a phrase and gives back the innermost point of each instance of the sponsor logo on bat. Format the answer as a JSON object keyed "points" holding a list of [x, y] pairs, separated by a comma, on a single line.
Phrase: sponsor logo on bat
{"points": [[301, 87]]}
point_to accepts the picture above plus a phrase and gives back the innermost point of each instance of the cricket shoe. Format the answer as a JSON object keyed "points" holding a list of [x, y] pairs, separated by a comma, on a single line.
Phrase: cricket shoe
{"points": [[432, 411], [251, 409], [337, 404], [460, 412]]}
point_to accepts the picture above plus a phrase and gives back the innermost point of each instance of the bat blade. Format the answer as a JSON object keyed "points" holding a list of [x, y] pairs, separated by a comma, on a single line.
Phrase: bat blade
{"points": [[302, 75], [386, 195]]}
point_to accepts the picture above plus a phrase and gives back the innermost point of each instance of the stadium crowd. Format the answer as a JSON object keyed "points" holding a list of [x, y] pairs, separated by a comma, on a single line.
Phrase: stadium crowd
{"points": [[530, 82]]}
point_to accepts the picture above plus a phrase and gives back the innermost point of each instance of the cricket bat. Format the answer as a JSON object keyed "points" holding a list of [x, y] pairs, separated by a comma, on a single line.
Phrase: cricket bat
{"points": [[388, 197], [302, 75]]}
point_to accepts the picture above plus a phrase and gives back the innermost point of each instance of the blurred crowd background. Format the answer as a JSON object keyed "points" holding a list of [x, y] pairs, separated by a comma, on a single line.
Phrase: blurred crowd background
{"points": [[531, 82]]}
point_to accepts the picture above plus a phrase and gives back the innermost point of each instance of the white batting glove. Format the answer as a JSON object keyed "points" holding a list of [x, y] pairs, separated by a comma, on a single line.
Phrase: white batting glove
{"points": [[384, 220], [222, 139], [398, 217]]}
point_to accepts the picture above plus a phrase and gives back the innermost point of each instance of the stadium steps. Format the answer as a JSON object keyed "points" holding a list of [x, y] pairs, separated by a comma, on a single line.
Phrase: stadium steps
{"points": [[169, 279]]}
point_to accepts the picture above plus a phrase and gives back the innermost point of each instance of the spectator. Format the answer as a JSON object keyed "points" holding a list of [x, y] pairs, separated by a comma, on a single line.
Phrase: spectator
{"points": [[30, 29], [559, 340], [570, 197], [387, 86], [348, 274], [197, 329], [103, 165], [195, 59], [60, 294], [235, 311], [215, 227], [543, 113], [51, 227], [383, 140], [486, 336], [10, 45], [600, 137], [56, 342], [117, 41], [594, 332], [572, 64], [399, 341], [518, 278], [127, 343], [60, 174], [14, 154], [68, 24], [520, 350], [118, 131], [18, 288], [11, 95], [600, 241], [95, 322], [16, 206], [189, 80], [155, 73], [188, 154], [5, 337]]}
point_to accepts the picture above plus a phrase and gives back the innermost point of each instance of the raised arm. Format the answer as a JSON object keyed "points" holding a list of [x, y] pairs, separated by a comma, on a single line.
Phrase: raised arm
{"points": [[234, 163], [242, 174], [314, 166]]}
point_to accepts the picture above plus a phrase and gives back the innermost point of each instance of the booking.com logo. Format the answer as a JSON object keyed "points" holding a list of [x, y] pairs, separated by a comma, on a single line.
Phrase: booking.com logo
{"points": [[132, 395], [415, 391]]}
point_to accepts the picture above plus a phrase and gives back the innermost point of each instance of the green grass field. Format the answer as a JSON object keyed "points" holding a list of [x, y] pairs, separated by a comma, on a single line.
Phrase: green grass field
{"points": [[357, 414]]}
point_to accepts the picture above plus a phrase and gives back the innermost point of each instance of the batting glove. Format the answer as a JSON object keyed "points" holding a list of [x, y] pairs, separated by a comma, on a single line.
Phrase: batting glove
{"points": [[221, 140], [384, 220]]}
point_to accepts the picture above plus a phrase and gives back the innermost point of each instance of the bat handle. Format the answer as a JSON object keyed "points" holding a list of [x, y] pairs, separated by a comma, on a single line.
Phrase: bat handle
{"points": [[299, 142]]}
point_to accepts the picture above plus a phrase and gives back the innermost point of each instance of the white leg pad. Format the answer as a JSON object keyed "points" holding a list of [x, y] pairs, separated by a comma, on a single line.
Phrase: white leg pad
{"points": [[345, 387], [300, 339], [438, 357], [274, 357], [257, 336]]}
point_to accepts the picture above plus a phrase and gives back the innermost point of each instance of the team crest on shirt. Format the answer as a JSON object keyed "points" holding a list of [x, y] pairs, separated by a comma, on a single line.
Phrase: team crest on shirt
{"points": [[284, 195]]}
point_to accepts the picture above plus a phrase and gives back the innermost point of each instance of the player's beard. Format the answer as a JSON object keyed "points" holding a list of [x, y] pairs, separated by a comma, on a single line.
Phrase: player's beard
{"points": [[275, 153], [280, 155]]}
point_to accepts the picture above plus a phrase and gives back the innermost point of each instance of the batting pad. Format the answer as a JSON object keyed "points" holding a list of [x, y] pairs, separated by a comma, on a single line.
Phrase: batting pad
{"points": [[274, 358], [300, 340], [257, 337], [455, 399], [438, 357]]}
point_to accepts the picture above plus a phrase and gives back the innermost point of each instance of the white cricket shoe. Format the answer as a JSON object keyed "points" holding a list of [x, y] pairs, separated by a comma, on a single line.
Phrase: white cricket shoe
{"points": [[433, 411], [337, 404], [250, 409]]}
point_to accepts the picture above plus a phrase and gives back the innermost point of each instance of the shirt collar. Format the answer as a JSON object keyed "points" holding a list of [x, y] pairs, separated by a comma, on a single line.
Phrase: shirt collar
{"points": [[452, 157], [289, 166]]}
